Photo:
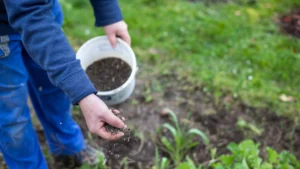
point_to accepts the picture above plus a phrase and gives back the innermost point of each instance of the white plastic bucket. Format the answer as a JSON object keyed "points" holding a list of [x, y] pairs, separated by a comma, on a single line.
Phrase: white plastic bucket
{"points": [[99, 48]]}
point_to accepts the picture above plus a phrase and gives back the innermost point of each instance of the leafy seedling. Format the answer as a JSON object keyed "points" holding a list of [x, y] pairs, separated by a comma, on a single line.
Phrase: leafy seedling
{"points": [[246, 155], [160, 163], [241, 123], [188, 164], [183, 139]]}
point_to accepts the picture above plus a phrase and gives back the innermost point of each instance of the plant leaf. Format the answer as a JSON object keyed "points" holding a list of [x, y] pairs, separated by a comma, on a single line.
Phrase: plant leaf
{"points": [[191, 163], [164, 163], [266, 166], [233, 148], [174, 119], [171, 129], [244, 164], [201, 134], [167, 144], [156, 158], [272, 155], [183, 165], [227, 160], [286, 166]]}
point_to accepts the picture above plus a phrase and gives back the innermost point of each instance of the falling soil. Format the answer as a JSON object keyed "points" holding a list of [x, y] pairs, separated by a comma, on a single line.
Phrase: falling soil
{"points": [[114, 130], [290, 23], [108, 74]]}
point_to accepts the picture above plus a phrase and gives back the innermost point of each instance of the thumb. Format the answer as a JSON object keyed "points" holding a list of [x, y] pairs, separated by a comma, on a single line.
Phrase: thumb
{"points": [[113, 120], [112, 39]]}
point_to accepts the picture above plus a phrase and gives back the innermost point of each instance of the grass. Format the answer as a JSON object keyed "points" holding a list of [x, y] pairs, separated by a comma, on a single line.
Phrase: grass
{"points": [[233, 49]]}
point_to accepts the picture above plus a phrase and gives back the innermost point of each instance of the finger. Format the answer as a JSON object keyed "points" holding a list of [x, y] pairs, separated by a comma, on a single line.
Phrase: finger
{"points": [[113, 120], [109, 136], [112, 39], [125, 36], [115, 111]]}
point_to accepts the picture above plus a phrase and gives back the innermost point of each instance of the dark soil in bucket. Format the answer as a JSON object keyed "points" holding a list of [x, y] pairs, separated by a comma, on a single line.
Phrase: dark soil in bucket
{"points": [[290, 23], [108, 74]]}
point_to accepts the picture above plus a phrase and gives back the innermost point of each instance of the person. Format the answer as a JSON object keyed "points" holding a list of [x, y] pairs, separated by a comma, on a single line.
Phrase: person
{"points": [[36, 58]]}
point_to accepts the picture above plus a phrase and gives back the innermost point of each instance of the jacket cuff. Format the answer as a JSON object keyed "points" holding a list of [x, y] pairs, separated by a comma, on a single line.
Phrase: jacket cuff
{"points": [[77, 86], [106, 13]]}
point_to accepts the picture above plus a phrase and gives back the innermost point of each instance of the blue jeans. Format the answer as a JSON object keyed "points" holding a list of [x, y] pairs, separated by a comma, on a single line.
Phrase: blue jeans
{"points": [[20, 75]]}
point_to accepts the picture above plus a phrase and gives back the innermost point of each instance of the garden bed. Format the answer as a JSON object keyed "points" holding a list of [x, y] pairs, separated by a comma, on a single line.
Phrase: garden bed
{"points": [[290, 23], [218, 119]]}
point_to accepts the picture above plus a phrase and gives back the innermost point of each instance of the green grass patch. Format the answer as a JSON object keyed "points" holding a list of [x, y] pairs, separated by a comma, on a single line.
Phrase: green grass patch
{"points": [[234, 48]]}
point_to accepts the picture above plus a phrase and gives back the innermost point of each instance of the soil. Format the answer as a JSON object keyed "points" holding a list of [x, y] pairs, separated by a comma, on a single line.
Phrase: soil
{"points": [[216, 117], [290, 23], [109, 73], [114, 130]]}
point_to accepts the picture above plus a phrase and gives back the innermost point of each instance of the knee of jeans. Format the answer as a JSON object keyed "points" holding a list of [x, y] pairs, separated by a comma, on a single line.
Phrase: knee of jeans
{"points": [[14, 131], [13, 97], [17, 136]]}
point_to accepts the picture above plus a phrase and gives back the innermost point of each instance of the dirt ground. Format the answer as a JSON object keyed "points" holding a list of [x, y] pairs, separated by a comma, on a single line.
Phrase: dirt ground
{"points": [[290, 23], [216, 118]]}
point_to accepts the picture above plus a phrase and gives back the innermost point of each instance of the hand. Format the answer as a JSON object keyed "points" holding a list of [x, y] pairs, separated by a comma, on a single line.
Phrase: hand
{"points": [[118, 29], [96, 114]]}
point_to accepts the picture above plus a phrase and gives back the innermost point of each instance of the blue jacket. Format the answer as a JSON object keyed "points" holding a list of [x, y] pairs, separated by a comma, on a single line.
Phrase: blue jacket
{"points": [[46, 43]]}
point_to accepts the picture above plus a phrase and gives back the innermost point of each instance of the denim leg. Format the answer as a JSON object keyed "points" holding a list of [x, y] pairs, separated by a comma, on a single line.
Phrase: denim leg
{"points": [[53, 109], [18, 141]]}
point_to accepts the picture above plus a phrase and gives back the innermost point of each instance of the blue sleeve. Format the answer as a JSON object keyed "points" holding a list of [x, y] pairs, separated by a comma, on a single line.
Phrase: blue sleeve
{"points": [[106, 12], [46, 43]]}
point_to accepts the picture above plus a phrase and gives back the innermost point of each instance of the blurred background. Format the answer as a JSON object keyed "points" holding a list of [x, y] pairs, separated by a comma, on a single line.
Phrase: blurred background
{"points": [[230, 69], [218, 85], [232, 46]]}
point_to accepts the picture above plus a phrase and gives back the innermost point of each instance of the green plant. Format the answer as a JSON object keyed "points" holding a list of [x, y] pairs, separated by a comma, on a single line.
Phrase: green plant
{"points": [[162, 163], [147, 93], [242, 124], [124, 163], [182, 141], [100, 165], [246, 155], [188, 164]]}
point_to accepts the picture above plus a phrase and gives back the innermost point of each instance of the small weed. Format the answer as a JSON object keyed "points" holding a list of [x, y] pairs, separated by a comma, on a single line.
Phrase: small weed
{"points": [[182, 141], [162, 163], [125, 163], [100, 165], [242, 124], [188, 164], [147, 94]]}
